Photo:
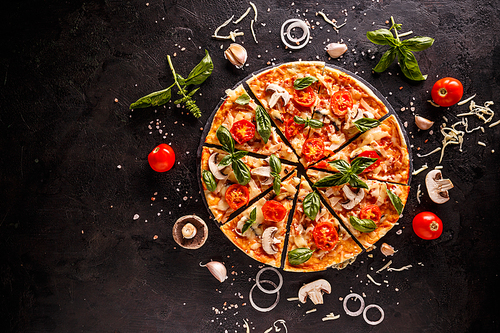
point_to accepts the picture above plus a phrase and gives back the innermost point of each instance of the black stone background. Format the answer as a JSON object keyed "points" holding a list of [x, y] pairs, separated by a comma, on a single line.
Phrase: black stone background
{"points": [[74, 259]]}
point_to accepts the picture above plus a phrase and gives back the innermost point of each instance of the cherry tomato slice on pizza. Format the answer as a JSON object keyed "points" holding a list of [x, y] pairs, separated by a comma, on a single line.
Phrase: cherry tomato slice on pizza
{"points": [[305, 97], [273, 211], [371, 212], [341, 102], [313, 149], [325, 236], [371, 154], [237, 196], [162, 158], [243, 131], [292, 128], [427, 225], [447, 91]]}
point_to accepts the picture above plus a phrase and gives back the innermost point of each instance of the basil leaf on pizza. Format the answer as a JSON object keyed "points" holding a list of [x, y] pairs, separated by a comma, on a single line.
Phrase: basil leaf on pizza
{"points": [[363, 225], [354, 181], [275, 164], [299, 256], [340, 165], [360, 163], [263, 123], [241, 172], [238, 154], [311, 205], [225, 139], [313, 123], [243, 99], [209, 180], [365, 124], [251, 220], [304, 82], [333, 180], [396, 201]]}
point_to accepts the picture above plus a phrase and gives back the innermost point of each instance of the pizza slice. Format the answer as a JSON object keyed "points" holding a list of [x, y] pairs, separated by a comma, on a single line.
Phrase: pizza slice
{"points": [[222, 191], [368, 213], [260, 230], [286, 92], [387, 144], [316, 232], [342, 103], [239, 114]]}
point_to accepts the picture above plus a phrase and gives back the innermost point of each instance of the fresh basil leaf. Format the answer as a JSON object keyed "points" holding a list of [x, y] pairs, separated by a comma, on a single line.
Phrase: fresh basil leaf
{"points": [[244, 99], [263, 123], [276, 183], [154, 99], [364, 124], [226, 160], [311, 205], [209, 180], [187, 97], [315, 123], [354, 181], [418, 43], [241, 172], [381, 37], [251, 220], [238, 154], [396, 201], [299, 120], [275, 164], [180, 79], [225, 139], [201, 71], [299, 256], [340, 165], [333, 180], [363, 225], [360, 163], [409, 65], [386, 60], [304, 82]]}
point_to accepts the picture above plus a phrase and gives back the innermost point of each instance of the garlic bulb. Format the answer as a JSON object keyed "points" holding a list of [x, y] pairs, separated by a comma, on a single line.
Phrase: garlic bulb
{"points": [[217, 269], [335, 50], [423, 123], [387, 250], [236, 54]]}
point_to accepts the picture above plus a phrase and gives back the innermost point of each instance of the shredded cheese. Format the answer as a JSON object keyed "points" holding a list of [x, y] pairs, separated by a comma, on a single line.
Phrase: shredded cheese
{"points": [[418, 193], [416, 172], [495, 123], [465, 100], [481, 143], [404, 268], [482, 112], [465, 122], [432, 152], [372, 280], [405, 33], [291, 299], [246, 326], [243, 16], [232, 34], [253, 32], [438, 167], [254, 10], [384, 267], [433, 103], [310, 311], [333, 23], [451, 136], [330, 316]]}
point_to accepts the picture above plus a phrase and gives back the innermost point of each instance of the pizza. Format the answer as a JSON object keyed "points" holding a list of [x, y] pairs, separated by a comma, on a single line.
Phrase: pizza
{"points": [[261, 229], [354, 155]]}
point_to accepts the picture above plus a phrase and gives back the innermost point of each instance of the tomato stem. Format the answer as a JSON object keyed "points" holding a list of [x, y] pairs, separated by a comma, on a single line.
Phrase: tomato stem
{"points": [[434, 226], [442, 92]]}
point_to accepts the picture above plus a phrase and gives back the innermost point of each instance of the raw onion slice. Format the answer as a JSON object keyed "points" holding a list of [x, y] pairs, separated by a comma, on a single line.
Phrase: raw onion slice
{"points": [[267, 291], [361, 308], [295, 23], [373, 322], [258, 308]]}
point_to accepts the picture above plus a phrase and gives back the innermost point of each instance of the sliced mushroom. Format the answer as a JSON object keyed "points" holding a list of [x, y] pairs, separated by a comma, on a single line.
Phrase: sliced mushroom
{"points": [[268, 240], [214, 167], [354, 198], [264, 171], [437, 187], [423, 123], [315, 291], [279, 92]]}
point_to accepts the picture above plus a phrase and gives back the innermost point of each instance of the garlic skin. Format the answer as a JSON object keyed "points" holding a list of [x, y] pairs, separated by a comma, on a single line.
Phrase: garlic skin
{"points": [[217, 269], [236, 54], [335, 50]]}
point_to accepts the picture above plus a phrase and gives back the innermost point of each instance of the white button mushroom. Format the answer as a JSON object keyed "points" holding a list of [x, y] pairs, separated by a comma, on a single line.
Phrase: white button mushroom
{"points": [[315, 291], [268, 240], [437, 187]]}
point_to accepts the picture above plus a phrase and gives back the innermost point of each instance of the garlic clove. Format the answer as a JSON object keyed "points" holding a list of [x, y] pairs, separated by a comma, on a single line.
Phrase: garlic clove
{"points": [[387, 250], [217, 269], [188, 231], [236, 54], [335, 50], [423, 123]]}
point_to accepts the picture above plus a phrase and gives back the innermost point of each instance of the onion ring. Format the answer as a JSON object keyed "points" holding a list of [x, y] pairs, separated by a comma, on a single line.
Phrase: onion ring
{"points": [[258, 308], [373, 322], [296, 25], [300, 24], [277, 288], [357, 313]]}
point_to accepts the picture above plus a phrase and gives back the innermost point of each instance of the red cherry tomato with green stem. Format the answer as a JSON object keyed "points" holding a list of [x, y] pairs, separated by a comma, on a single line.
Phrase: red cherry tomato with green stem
{"points": [[427, 225], [162, 158], [447, 91]]}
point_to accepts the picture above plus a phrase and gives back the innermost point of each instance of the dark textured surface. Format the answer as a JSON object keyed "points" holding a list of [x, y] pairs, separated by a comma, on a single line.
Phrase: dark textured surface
{"points": [[74, 259]]}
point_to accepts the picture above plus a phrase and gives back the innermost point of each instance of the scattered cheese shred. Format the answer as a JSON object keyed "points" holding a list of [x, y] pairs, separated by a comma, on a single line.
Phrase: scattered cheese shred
{"points": [[495, 123], [253, 32], [384, 267], [482, 112], [330, 316], [404, 268], [451, 137], [405, 33], [243, 16], [333, 23], [438, 167], [246, 326], [481, 143], [311, 311], [465, 122], [432, 152], [465, 100], [416, 172], [232, 34], [433, 103], [418, 193], [254, 10], [291, 299], [372, 280]]}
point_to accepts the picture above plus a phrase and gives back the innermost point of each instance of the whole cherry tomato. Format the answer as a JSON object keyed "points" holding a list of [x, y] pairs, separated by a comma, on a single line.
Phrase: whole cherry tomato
{"points": [[371, 154], [236, 196], [292, 128], [162, 158], [273, 211], [313, 149], [447, 91], [242, 131], [427, 225], [325, 236], [341, 102], [305, 97], [371, 212]]}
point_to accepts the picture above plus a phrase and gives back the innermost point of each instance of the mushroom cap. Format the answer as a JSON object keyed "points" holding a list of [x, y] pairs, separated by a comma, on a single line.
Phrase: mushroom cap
{"points": [[354, 198], [437, 187], [268, 240], [201, 232], [315, 291]]}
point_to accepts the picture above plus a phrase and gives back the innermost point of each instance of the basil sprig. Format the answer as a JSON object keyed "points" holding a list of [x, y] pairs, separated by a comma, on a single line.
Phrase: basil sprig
{"points": [[313, 123], [263, 123], [275, 164], [240, 169], [250, 221], [209, 180], [198, 75], [348, 173], [299, 256], [365, 124], [303, 83], [401, 49], [243, 99], [396, 201], [311, 205], [363, 225]]}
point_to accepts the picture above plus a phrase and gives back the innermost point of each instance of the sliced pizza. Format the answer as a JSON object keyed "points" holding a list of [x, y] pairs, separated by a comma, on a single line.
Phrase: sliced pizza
{"points": [[260, 230], [387, 144], [222, 191], [368, 213], [316, 239], [286, 92], [249, 126]]}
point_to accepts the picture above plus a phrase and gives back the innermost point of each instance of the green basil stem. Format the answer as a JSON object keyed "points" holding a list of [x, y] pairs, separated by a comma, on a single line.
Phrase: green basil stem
{"points": [[395, 30], [175, 76]]}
